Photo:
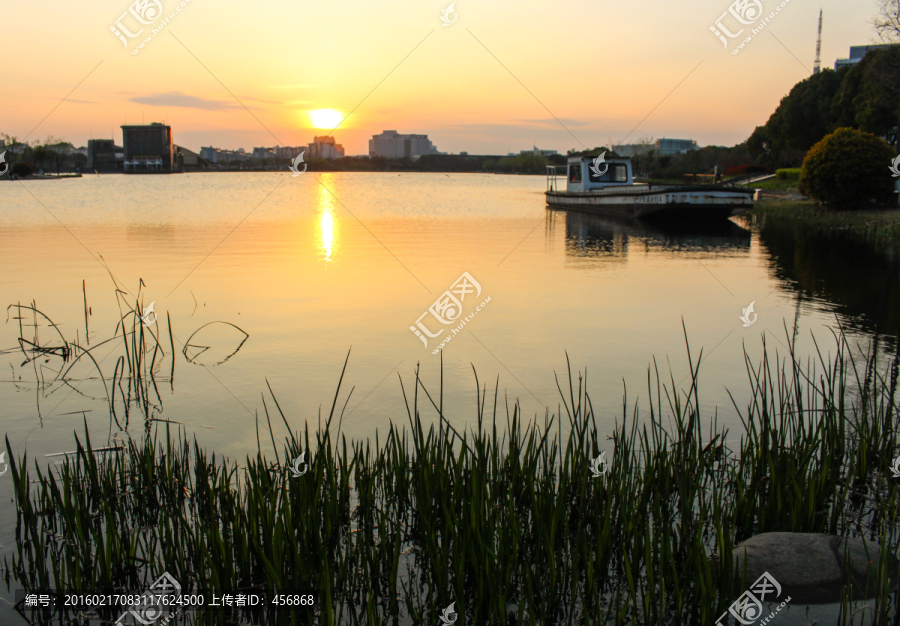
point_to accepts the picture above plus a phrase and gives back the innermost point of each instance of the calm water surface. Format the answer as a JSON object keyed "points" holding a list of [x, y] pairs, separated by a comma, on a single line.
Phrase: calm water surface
{"points": [[316, 266]]}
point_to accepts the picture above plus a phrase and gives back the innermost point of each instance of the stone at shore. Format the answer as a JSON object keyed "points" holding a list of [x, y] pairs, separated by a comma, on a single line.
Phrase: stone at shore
{"points": [[809, 566]]}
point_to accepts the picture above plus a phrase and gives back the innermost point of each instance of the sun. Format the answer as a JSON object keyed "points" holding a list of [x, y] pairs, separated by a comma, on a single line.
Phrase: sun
{"points": [[325, 118]]}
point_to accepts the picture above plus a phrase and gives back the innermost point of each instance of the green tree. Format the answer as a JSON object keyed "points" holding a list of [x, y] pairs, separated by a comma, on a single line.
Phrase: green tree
{"points": [[869, 97], [848, 169], [803, 117], [40, 154]]}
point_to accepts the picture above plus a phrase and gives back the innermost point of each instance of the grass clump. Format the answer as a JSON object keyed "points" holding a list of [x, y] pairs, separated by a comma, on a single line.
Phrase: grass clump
{"points": [[505, 520]]}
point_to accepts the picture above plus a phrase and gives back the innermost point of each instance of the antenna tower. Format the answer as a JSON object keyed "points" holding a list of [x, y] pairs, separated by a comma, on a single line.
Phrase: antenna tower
{"points": [[818, 65]]}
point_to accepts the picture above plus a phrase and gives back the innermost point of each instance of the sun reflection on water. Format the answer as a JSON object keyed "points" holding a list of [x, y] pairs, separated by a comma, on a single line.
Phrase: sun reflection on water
{"points": [[328, 225]]}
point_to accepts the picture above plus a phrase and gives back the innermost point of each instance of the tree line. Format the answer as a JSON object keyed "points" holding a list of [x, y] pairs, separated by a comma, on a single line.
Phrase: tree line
{"points": [[864, 96], [51, 154]]}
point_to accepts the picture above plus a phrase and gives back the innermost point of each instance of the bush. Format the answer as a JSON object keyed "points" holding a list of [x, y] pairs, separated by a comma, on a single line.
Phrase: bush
{"points": [[23, 169], [741, 170], [792, 173], [848, 169]]}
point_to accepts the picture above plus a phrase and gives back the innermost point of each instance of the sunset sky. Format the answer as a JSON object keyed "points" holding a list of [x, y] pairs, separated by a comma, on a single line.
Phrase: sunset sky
{"points": [[598, 66]]}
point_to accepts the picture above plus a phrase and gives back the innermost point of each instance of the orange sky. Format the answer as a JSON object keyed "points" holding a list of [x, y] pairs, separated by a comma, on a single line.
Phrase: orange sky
{"points": [[599, 67]]}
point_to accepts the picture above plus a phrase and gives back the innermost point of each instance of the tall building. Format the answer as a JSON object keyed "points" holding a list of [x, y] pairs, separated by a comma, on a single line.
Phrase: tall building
{"points": [[103, 155], [325, 148], [858, 52], [668, 147], [148, 148], [392, 145]]}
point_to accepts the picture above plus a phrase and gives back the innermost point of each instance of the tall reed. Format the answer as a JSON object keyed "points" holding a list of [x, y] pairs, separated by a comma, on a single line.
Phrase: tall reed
{"points": [[504, 520]]}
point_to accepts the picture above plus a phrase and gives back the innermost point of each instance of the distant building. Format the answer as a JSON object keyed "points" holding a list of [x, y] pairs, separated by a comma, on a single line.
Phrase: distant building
{"points": [[63, 147], [538, 152], [325, 148], [264, 153], [668, 147], [210, 154], [215, 155], [105, 156], [278, 152], [858, 52], [148, 148], [288, 152], [392, 145], [189, 160], [633, 149]]}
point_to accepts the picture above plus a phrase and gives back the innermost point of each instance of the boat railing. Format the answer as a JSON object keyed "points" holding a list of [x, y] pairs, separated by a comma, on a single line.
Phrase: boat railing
{"points": [[552, 184]]}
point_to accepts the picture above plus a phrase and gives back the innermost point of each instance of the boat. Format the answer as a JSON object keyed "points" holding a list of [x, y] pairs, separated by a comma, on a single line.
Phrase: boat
{"points": [[597, 185]]}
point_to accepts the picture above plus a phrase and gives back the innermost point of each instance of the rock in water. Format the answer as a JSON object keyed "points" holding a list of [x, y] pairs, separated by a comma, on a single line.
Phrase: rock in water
{"points": [[809, 566]]}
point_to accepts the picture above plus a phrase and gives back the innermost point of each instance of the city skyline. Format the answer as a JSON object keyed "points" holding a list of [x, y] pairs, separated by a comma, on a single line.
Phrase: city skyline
{"points": [[480, 85]]}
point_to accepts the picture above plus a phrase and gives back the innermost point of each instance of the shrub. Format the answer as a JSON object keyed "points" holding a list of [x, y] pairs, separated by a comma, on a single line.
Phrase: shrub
{"points": [[23, 168], [848, 169], [792, 173]]}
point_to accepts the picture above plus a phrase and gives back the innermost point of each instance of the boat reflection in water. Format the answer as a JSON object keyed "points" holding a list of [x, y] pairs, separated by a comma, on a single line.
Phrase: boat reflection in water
{"points": [[595, 237]]}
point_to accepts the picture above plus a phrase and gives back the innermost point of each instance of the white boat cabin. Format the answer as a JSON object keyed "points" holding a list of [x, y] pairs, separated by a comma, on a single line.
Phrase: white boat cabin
{"points": [[583, 174]]}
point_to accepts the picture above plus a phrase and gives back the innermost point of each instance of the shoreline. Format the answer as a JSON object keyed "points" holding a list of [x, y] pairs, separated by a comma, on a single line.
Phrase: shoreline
{"points": [[879, 226]]}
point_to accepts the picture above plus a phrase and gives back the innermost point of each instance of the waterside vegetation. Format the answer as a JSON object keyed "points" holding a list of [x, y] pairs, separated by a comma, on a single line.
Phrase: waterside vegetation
{"points": [[505, 519], [879, 228]]}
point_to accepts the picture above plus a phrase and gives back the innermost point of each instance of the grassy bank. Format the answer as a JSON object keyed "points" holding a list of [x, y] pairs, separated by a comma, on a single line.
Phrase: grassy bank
{"points": [[774, 183], [880, 227], [504, 519]]}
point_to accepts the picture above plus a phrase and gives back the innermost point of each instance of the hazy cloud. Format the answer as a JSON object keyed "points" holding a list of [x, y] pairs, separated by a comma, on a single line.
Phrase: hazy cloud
{"points": [[551, 121], [178, 99]]}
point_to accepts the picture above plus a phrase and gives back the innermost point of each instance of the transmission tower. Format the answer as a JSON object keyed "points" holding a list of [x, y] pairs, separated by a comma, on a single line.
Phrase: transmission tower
{"points": [[818, 65]]}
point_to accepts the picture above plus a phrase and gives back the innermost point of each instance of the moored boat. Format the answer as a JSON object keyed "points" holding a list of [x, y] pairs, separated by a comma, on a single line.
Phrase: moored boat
{"points": [[595, 185]]}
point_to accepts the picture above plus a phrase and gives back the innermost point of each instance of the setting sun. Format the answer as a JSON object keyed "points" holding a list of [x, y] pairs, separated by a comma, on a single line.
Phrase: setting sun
{"points": [[325, 118]]}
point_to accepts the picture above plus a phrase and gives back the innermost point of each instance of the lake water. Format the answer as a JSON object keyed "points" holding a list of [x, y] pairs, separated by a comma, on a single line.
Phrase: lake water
{"points": [[315, 266]]}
